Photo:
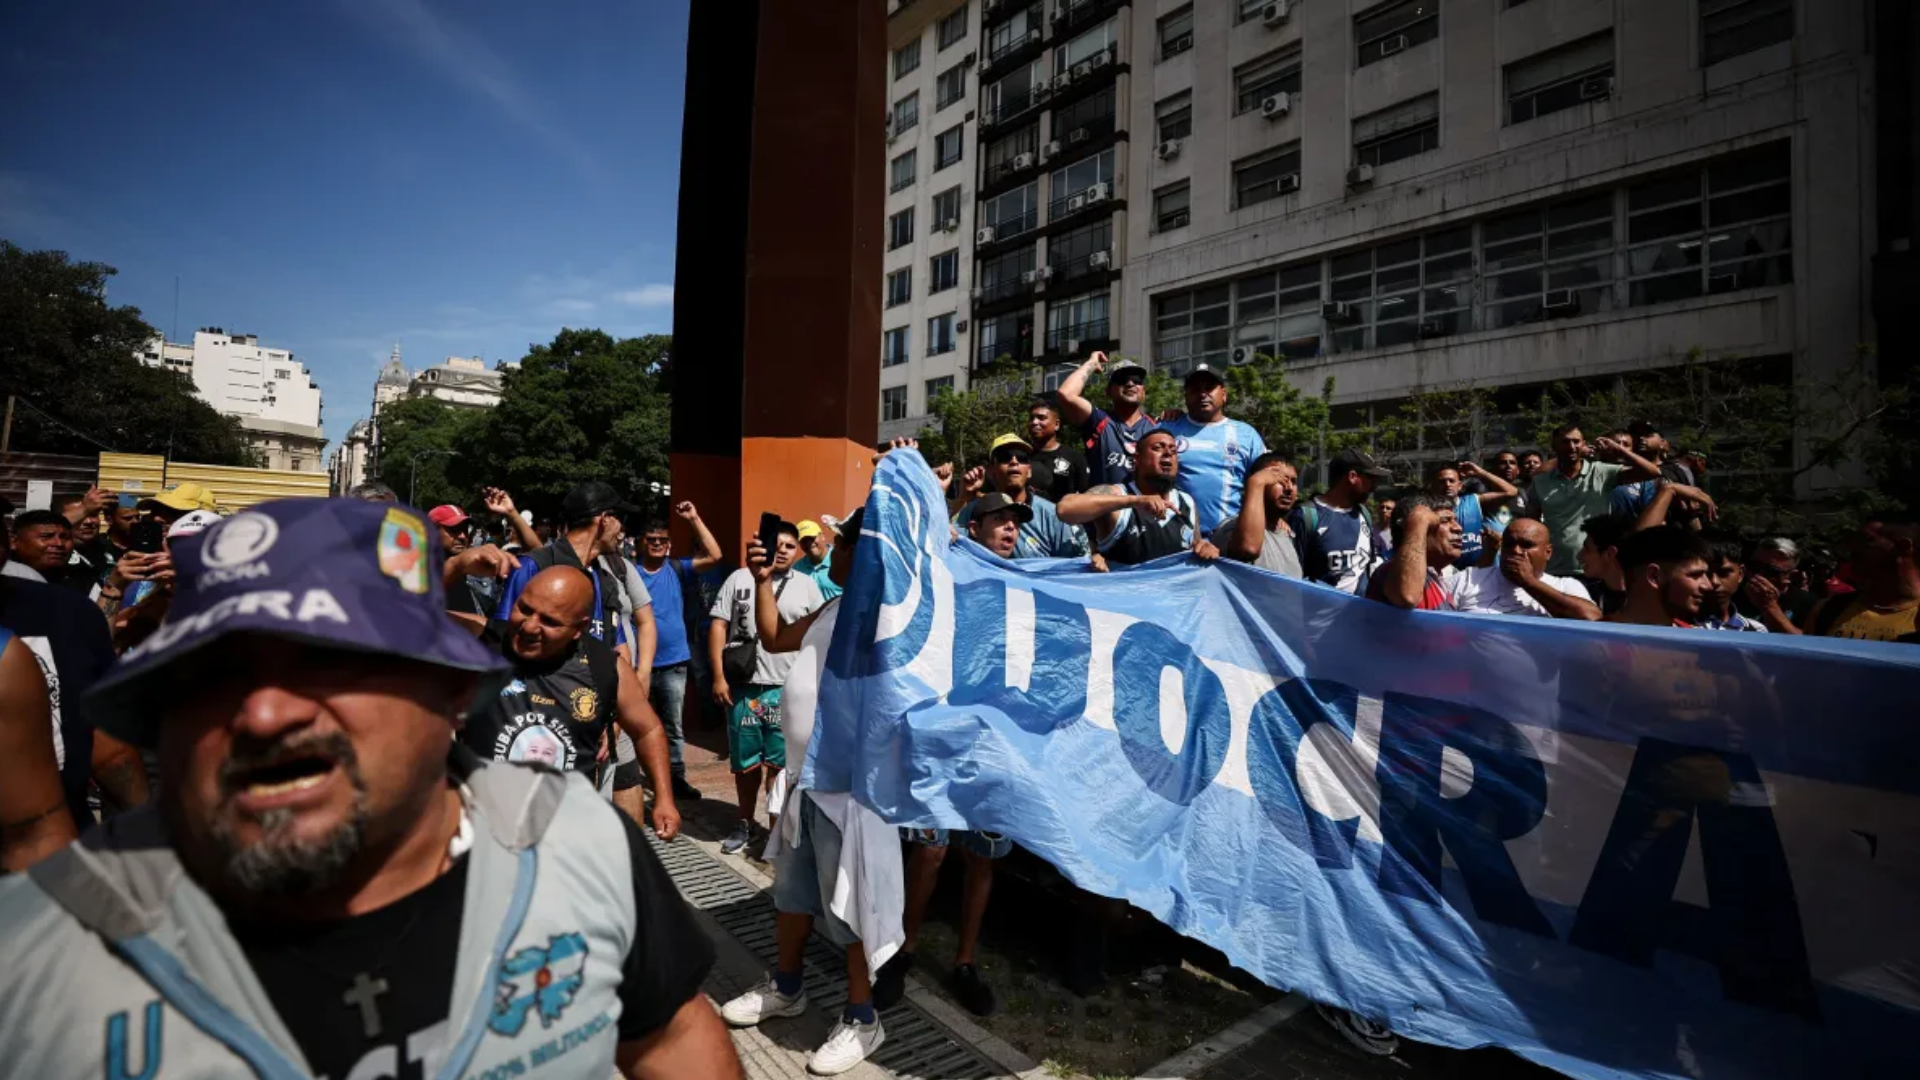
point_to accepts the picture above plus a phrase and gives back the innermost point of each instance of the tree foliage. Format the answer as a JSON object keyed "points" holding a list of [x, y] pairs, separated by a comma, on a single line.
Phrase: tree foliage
{"points": [[967, 421], [72, 359], [423, 442]]}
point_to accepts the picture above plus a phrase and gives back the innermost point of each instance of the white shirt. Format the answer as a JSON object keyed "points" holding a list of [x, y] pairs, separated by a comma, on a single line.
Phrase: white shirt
{"points": [[1485, 590], [869, 885], [14, 568], [795, 595]]}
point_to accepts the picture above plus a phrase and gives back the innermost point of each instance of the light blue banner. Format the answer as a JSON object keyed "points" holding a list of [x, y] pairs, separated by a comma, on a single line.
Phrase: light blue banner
{"points": [[1621, 852]]}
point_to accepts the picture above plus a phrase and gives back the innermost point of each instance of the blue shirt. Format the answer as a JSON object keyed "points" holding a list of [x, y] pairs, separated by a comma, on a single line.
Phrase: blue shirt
{"points": [[1632, 498], [1213, 465], [1110, 446], [670, 644], [1045, 537], [1466, 511], [563, 556], [1337, 547]]}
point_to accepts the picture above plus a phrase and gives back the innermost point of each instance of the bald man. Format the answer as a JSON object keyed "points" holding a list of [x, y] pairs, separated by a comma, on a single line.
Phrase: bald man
{"points": [[568, 687], [1519, 583]]}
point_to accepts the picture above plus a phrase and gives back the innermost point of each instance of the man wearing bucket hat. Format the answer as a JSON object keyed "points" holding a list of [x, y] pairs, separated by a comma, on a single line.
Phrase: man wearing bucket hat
{"points": [[329, 884], [178, 500]]}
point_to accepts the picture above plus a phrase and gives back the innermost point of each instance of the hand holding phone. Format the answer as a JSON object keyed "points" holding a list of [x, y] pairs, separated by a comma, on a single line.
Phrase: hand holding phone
{"points": [[769, 535]]}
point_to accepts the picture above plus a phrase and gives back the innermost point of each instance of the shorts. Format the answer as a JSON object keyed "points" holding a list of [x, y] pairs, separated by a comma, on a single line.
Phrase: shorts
{"points": [[627, 776], [987, 845], [805, 872], [754, 736]]}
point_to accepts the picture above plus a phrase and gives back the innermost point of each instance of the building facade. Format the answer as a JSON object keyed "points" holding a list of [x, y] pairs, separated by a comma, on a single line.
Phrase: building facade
{"points": [[462, 381], [270, 391], [347, 465]]}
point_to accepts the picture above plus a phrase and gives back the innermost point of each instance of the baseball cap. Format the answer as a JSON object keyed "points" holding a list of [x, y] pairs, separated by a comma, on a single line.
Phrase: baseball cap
{"points": [[193, 524], [1010, 440], [335, 573], [1640, 429], [1362, 462], [807, 529], [1206, 370], [182, 497], [447, 515], [993, 502], [1126, 366], [592, 499]]}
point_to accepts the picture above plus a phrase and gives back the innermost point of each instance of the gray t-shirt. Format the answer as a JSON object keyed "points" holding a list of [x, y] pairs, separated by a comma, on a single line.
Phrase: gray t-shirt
{"points": [[1277, 552], [798, 598]]}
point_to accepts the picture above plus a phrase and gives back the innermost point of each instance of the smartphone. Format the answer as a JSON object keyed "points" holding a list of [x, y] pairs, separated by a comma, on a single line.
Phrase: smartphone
{"points": [[770, 534], [147, 536]]}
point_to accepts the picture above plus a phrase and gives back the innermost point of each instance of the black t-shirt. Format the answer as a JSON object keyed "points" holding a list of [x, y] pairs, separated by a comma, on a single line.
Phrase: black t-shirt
{"points": [[1058, 473], [552, 712], [69, 637], [309, 971]]}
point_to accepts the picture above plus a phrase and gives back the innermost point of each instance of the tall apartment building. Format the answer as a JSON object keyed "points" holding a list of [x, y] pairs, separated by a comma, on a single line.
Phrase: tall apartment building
{"points": [[267, 389], [1423, 194]]}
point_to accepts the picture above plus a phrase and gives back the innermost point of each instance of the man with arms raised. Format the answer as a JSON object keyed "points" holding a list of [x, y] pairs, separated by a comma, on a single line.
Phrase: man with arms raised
{"points": [[1473, 510], [675, 587], [1113, 432], [330, 885], [1575, 489], [1009, 472], [1214, 450], [1146, 518], [1519, 583]]}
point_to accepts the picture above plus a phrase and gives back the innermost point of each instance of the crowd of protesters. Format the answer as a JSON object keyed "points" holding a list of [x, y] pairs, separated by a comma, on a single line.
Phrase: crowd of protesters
{"points": [[606, 642]]}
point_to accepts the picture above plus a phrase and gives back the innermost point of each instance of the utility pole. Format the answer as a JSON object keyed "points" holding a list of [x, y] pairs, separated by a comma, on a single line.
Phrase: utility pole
{"points": [[6, 433]]}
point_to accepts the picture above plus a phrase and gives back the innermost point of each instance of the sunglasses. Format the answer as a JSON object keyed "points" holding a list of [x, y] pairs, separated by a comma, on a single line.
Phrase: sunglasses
{"points": [[1128, 380], [1011, 457], [651, 540]]}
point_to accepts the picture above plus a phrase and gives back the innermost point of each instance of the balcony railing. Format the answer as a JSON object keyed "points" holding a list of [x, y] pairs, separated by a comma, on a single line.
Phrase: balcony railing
{"points": [[1012, 165], [989, 351], [1070, 131], [1006, 288], [1012, 45], [1072, 14], [1018, 225], [1065, 338], [1091, 263], [1091, 197], [1018, 105]]}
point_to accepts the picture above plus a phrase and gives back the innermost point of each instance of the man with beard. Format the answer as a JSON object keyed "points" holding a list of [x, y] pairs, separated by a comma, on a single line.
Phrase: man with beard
{"points": [[1113, 432], [1214, 449], [1426, 540], [1259, 534], [1146, 518], [1059, 470], [568, 691], [330, 885], [1009, 472], [1667, 577]]}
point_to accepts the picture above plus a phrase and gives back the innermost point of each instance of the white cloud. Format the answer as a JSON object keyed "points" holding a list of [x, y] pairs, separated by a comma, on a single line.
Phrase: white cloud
{"points": [[570, 305], [657, 295]]}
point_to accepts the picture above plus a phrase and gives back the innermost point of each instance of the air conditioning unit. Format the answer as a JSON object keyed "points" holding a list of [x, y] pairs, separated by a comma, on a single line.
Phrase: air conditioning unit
{"points": [[1079, 135], [1099, 260], [1073, 347], [1289, 183], [1044, 89], [1075, 202], [1560, 302], [988, 7], [984, 236], [960, 327], [1277, 105], [1394, 44], [1023, 161], [1359, 176], [1167, 150], [1242, 354], [1595, 88], [1433, 328], [1098, 60], [1043, 273], [1275, 13], [1052, 151], [1061, 81], [1339, 313], [1060, 13], [1028, 277], [951, 224], [1082, 69], [1097, 193]]}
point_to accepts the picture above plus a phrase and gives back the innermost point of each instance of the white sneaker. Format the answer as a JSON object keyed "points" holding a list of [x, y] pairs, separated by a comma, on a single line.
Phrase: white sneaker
{"points": [[737, 840], [849, 1044], [763, 1002]]}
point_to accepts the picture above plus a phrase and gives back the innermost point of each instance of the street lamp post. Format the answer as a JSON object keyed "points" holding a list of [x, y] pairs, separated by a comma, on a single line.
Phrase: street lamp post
{"points": [[413, 470]]}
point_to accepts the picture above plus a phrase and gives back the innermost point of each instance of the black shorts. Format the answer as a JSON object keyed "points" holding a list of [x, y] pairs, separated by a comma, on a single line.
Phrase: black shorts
{"points": [[626, 777]]}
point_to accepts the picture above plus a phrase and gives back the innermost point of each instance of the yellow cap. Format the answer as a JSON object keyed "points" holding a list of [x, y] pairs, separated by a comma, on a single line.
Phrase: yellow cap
{"points": [[183, 497], [808, 529], [1010, 440]]}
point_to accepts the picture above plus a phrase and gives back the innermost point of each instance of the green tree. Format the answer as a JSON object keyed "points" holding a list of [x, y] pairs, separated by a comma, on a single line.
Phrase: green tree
{"points": [[422, 442], [967, 421], [72, 360]]}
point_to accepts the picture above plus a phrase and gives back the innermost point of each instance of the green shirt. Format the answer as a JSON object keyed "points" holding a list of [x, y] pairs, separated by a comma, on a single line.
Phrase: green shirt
{"points": [[818, 572], [1566, 504]]}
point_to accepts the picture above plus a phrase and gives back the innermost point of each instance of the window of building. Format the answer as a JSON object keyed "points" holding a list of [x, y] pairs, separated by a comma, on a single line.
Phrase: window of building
{"points": [[1176, 32], [940, 334], [1526, 255], [900, 230], [1088, 118], [1004, 336], [1258, 80], [893, 403], [949, 86], [946, 209], [1406, 129], [1560, 79], [1017, 32], [1173, 117], [1247, 9], [906, 113], [902, 170], [943, 272], [1275, 313], [906, 58], [1003, 154], [1014, 212], [1077, 177], [1726, 227], [1072, 254], [937, 387], [893, 347], [282, 373], [1170, 206], [1393, 28], [899, 287], [951, 29], [1403, 290], [1012, 94], [1266, 176], [1193, 326], [1104, 38], [1731, 27], [1000, 277], [947, 147], [1077, 319]]}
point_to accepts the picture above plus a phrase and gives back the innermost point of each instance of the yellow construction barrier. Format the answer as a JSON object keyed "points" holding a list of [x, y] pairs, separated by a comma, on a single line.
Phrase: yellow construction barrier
{"points": [[235, 488]]}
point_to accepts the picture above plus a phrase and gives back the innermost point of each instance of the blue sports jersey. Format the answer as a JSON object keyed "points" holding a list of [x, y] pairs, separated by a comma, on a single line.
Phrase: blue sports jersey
{"points": [[1213, 465], [670, 641], [1110, 446], [1337, 546], [1467, 511]]}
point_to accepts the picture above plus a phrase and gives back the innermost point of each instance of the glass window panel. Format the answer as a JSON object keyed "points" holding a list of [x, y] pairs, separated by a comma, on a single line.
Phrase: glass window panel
{"points": [[1580, 212], [1583, 240], [1447, 240], [1669, 222], [1661, 290], [1397, 278], [1773, 161], [1748, 205], [1396, 333], [1663, 191], [1661, 257]]}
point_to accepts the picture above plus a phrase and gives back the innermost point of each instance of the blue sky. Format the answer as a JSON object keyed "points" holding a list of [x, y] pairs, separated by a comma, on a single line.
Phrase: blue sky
{"points": [[336, 175]]}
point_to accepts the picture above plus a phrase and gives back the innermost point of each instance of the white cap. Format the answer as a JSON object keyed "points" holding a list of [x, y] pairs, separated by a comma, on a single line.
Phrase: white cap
{"points": [[526, 516], [193, 524]]}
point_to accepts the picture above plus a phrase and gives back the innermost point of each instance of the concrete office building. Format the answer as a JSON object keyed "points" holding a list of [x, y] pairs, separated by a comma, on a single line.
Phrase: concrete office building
{"points": [[1424, 194], [267, 389]]}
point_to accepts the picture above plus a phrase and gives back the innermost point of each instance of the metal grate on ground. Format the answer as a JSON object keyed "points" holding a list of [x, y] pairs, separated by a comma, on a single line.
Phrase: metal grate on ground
{"points": [[916, 1046]]}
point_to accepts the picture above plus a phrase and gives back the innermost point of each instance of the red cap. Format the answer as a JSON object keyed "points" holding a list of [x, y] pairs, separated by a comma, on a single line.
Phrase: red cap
{"points": [[447, 515]]}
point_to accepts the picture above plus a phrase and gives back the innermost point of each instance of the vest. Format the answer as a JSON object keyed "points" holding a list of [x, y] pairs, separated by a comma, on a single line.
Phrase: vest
{"points": [[1135, 540], [121, 967]]}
